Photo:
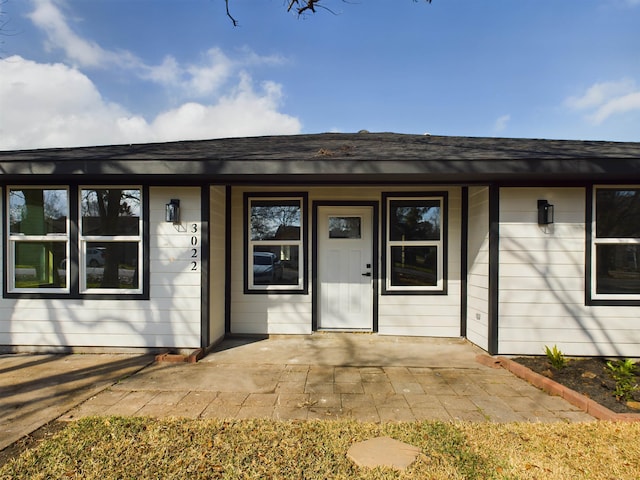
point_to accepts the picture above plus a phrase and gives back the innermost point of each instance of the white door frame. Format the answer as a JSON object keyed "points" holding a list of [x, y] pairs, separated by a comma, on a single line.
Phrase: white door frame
{"points": [[373, 325]]}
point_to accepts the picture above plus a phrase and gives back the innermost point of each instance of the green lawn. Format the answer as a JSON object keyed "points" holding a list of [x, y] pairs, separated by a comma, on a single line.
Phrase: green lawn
{"points": [[110, 448]]}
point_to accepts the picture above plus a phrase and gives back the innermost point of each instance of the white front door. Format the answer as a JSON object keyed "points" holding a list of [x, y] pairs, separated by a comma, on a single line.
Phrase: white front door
{"points": [[345, 268]]}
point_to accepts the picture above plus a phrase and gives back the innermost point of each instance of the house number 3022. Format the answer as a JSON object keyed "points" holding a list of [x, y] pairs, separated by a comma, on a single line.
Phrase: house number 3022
{"points": [[194, 247]]}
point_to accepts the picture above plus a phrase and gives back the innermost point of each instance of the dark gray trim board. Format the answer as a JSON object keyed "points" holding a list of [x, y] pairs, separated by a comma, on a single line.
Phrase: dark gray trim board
{"points": [[494, 260], [205, 271], [464, 260], [227, 262]]}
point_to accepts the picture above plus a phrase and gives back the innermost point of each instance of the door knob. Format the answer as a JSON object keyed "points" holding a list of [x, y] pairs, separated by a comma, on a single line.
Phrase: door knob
{"points": [[366, 274]]}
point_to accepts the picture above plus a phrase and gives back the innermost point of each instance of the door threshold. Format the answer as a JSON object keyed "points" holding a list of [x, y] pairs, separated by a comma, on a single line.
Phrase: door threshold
{"points": [[345, 330]]}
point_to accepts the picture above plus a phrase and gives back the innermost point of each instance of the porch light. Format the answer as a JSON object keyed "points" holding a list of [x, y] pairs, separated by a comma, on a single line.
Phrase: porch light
{"points": [[172, 211], [545, 213]]}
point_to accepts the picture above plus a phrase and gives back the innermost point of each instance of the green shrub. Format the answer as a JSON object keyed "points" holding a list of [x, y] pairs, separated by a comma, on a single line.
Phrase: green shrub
{"points": [[556, 357], [623, 372]]}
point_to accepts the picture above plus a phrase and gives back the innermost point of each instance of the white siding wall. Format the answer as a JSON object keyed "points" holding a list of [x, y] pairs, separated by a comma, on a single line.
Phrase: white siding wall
{"points": [[429, 315], [217, 265], [171, 318], [478, 267], [542, 282]]}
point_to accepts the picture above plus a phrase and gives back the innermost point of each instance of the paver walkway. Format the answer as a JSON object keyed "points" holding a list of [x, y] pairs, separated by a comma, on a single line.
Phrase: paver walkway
{"points": [[36, 389], [364, 377]]}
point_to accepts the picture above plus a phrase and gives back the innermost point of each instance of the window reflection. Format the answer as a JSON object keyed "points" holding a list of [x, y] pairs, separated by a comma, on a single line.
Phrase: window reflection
{"points": [[414, 220], [618, 213], [414, 266], [275, 220], [38, 211], [40, 265], [618, 269], [38, 237], [110, 211], [344, 227], [415, 249], [274, 254], [276, 265], [111, 265]]}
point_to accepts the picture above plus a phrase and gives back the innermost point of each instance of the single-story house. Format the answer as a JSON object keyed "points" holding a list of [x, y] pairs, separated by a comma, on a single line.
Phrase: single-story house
{"points": [[514, 244]]}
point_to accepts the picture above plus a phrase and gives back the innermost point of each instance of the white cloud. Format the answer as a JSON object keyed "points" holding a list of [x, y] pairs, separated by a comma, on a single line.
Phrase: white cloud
{"points": [[244, 112], [192, 80], [54, 105], [48, 17], [607, 99], [210, 77], [501, 123], [207, 77]]}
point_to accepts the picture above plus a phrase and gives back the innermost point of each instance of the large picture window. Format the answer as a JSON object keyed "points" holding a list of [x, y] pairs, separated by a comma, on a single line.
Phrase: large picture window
{"points": [[275, 243], [415, 243], [65, 240], [615, 250], [38, 239]]}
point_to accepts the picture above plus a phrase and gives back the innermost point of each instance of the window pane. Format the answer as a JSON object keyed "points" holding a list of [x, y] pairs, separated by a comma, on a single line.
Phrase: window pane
{"points": [[111, 265], [40, 265], [414, 266], [37, 211], [276, 265], [618, 269], [344, 227], [275, 220], [414, 220], [618, 213], [110, 212]]}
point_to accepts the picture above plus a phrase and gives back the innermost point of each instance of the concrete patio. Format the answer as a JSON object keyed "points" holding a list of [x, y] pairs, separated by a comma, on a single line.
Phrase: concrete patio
{"points": [[333, 375]]}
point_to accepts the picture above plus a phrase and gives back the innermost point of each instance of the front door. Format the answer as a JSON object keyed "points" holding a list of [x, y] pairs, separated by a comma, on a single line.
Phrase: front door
{"points": [[345, 268]]}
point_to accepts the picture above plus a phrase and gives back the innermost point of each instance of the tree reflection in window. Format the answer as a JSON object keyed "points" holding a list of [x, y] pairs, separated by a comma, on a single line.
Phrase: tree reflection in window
{"points": [[275, 220], [38, 237], [414, 244], [110, 237], [414, 220], [274, 256]]}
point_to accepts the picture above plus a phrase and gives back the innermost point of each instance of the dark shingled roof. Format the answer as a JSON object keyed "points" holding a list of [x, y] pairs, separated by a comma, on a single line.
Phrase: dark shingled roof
{"points": [[338, 158]]}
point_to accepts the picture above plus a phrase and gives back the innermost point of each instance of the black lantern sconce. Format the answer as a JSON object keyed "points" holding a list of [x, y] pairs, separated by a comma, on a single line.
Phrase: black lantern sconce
{"points": [[545, 213], [172, 211]]}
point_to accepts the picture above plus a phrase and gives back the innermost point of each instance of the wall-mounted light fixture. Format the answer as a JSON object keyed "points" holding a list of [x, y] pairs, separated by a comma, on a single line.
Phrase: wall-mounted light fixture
{"points": [[545, 213], [172, 211]]}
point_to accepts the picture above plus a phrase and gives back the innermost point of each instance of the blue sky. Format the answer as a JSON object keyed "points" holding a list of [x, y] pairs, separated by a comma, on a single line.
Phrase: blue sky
{"points": [[88, 72]]}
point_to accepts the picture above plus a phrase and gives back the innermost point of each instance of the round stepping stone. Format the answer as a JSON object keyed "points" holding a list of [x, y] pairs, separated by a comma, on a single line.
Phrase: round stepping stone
{"points": [[383, 452]]}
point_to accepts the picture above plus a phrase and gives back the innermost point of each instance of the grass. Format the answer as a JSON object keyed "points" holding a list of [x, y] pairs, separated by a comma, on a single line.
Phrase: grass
{"points": [[117, 447]]}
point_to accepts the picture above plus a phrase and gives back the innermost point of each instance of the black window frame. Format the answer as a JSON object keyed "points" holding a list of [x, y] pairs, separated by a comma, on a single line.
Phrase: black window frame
{"points": [[387, 197], [72, 290], [303, 284], [592, 241]]}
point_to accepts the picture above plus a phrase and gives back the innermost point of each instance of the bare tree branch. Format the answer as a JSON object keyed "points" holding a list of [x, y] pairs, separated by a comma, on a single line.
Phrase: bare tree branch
{"points": [[233, 20], [301, 6]]}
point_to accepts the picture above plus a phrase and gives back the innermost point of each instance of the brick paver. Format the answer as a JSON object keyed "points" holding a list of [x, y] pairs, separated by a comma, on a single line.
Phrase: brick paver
{"points": [[372, 394]]}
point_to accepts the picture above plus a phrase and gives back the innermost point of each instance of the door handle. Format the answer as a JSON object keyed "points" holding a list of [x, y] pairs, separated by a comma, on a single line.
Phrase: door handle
{"points": [[366, 274]]}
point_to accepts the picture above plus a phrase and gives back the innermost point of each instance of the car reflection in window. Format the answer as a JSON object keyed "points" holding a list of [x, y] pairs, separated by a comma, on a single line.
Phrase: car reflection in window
{"points": [[267, 268]]}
